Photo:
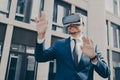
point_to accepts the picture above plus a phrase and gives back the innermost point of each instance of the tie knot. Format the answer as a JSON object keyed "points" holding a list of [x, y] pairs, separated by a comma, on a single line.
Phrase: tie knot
{"points": [[74, 40]]}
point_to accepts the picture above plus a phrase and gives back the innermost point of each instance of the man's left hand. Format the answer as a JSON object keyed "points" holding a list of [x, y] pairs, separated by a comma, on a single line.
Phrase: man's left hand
{"points": [[88, 47]]}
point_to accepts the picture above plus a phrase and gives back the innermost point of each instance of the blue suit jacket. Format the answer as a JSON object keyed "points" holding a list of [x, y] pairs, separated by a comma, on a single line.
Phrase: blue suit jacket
{"points": [[66, 69]]}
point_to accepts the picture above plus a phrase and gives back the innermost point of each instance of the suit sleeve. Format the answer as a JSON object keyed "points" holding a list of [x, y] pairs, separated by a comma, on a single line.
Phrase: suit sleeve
{"points": [[101, 67], [42, 54]]}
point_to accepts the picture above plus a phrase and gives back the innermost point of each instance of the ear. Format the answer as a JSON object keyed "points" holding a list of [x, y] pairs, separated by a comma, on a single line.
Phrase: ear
{"points": [[83, 23], [82, 26]]}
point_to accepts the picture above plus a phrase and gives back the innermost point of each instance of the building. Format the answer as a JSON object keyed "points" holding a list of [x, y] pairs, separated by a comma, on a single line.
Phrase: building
{"points": [[18, 34]]}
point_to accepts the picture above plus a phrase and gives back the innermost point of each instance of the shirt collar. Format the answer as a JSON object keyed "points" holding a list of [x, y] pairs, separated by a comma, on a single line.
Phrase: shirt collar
{"points": [[79, 39]]}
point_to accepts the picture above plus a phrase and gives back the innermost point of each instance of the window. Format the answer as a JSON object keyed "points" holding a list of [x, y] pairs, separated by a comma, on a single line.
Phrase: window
{"points": [[5, 8], [22, 53], [30, 49], [116, 65], [116, 35], [20, 6], [18, 48], [28, 9], [2, 37], [83, 13], [61, 9], [0, 50], [23, 10], [37, 7], [107, 32], [24, 37], [16, 70], [108, 57], [108, 60]]}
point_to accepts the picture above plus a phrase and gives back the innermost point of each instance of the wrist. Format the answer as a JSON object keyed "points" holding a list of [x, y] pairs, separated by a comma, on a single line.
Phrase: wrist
{"points": [[41, 35], [95, 58]]}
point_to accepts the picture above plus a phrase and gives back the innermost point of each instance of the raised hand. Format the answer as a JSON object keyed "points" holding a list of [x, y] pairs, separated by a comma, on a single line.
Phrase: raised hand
{"points": [[88, 47], [41, 25]]}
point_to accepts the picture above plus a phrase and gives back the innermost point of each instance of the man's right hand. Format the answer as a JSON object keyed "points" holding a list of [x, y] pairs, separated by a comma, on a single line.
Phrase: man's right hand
{"points": [[41, 25]]}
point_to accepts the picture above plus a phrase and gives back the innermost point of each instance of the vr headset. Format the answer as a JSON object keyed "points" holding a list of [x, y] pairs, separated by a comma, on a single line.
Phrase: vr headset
{"points": [[72, 19]]}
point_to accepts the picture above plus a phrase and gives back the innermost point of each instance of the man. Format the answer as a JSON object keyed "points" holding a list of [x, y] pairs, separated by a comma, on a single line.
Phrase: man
{"points": [[76, 57]]}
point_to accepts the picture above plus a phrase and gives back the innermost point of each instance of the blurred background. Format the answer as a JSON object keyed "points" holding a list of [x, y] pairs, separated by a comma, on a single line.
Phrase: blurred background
{"points": [[18, 34]]}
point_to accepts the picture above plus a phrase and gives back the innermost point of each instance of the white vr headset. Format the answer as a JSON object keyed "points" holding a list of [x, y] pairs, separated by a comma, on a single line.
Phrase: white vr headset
{"points": [[72, 19]]}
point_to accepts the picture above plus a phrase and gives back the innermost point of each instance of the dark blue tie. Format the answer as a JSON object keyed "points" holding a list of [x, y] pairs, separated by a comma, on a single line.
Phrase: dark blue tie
{"points": [[75, 54]]}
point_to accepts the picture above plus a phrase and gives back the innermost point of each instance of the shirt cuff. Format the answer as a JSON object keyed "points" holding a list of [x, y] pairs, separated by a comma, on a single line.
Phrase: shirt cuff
{"points": [[94, 63], [40, 40]]}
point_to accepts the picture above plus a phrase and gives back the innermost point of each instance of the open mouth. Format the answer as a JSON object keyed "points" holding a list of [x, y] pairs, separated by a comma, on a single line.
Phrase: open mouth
{"points": [[74, 32]]}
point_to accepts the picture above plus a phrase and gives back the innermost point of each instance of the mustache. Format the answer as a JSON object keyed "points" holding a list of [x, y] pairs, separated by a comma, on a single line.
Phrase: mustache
{"points": [[74, 32]]}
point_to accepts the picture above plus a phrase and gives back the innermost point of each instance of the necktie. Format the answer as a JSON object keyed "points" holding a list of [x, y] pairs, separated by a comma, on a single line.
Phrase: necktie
{"points": [[75, 54]]}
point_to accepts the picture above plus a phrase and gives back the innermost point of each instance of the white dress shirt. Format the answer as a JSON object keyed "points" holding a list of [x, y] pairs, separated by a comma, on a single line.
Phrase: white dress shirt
{"points": [[79, 43]]}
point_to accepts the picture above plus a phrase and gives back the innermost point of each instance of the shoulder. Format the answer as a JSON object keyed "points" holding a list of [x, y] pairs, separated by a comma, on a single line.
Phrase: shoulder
{"points": [[61, 41]]}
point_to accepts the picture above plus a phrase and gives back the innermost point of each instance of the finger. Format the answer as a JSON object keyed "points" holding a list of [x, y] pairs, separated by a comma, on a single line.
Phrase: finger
{"points": [[91, 42], [87, 40], [36, 19], [43, 17], [39, 15], [84, 40]]}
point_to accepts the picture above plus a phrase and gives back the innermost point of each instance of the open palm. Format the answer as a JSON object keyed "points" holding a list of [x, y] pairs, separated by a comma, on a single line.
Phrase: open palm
{"points": [[88, 47]]}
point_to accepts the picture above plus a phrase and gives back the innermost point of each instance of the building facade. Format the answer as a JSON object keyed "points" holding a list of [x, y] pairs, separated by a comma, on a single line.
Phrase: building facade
{"points": [[18, 34]]}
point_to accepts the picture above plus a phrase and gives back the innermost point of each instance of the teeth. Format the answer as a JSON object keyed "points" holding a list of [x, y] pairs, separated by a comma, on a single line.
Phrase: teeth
{"points": [[74, 32]]}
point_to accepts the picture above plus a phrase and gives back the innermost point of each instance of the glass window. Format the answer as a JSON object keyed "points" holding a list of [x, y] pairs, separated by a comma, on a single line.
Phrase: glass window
{"points": [[30, 68], [119, 38], [107, 32], [83, 13], [0, 50], [24, 10], [28, 9], [16, 70], [37, 7], [61, 9], [108, 57], [24, 37], [5, 8], [20, 6], [2, 37], [22, 53], [116, 65], [115, 35], [108, 60], [30, 49], [18, 48]]}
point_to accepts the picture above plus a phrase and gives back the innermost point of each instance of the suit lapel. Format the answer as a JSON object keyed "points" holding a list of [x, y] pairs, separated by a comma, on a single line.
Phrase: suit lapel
{"points": [[68, 49]]}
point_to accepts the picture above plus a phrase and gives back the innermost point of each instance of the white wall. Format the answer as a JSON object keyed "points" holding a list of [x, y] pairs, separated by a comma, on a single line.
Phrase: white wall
{"points": [[96, 26], [109, 5]]}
